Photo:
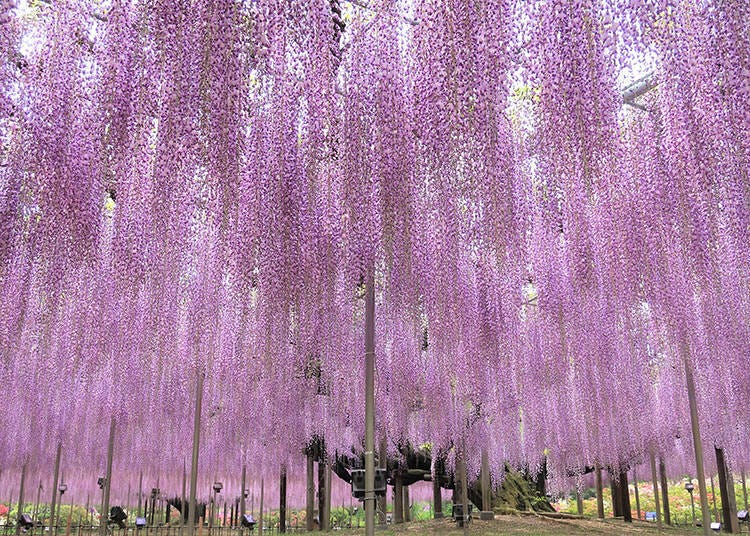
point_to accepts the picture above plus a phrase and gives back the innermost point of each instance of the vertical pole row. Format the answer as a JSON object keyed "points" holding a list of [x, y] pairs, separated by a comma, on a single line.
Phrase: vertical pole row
{"points": [[192, 507]]}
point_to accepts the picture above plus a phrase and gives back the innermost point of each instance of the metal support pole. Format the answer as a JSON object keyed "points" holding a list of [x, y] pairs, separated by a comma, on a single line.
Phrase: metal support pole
{"points": [[744, 488], [370, 403], [697, 443], [192, 507], [108, 481], [55, 482]]}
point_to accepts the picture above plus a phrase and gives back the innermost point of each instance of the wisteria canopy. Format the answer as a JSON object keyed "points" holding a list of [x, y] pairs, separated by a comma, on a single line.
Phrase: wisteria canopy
{"points": [[202, 186]]}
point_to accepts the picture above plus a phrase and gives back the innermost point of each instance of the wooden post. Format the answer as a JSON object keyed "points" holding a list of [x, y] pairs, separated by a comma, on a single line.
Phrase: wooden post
{"points": [[108, 479], [744, 488], [282, 500], [310, 502], [55, 483], [398, 500], [242, 493], [664, 491], [437, 494], [329, 472], [140, 492], [38, 498], [192, 507], [486, 514], [726, 488], [183, 497], [637, 498], [382, 501], [655, 480], [407, 503], [697, 443], [599, 493], [20, 498], [370, 498], [260, 514]]}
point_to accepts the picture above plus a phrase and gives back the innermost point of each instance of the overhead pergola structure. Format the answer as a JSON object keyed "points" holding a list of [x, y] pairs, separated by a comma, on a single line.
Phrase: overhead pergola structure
{"points": [[203, 205]]}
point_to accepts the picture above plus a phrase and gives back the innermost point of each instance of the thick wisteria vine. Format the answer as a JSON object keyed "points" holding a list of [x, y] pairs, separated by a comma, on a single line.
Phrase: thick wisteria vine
{"points": [[200, 187]]}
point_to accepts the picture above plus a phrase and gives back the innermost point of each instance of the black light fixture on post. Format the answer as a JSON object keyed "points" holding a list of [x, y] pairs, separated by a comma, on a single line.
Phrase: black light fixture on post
{"points": [[62, 488], [217, 487], [102, 483]]}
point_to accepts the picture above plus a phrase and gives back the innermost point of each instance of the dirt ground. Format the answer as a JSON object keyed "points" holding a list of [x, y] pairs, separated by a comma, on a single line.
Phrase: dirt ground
{"points": [[530, 526]]}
